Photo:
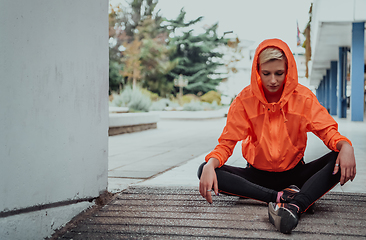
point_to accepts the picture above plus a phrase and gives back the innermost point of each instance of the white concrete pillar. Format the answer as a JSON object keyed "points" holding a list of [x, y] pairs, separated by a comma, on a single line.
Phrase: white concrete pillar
{"points": [[53, 114]]}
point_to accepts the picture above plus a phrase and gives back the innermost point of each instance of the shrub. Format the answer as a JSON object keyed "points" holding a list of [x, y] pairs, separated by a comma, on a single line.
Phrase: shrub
{"points": [[189, 98], [159, 105], [200, 106], [166, 104], [116, 100], [134, 99], [193, 106], [211, 96], [163, 104], [153, 96], [212, 106]]}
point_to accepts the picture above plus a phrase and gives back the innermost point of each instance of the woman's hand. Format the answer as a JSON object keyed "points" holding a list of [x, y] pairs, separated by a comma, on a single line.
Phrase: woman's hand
{"points": [[208, 180], [346, 161]]}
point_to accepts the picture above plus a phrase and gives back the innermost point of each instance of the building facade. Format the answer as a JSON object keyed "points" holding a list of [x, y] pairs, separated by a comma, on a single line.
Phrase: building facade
{"points": [[337, 68]]}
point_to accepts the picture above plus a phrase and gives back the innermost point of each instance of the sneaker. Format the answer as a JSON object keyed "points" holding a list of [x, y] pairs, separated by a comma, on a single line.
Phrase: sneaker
{"points": [[284, 216], [289, 193]]}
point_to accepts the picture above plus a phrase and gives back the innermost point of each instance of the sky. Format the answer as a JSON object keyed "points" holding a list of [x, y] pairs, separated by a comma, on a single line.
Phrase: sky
{"points": [[253, 20]]}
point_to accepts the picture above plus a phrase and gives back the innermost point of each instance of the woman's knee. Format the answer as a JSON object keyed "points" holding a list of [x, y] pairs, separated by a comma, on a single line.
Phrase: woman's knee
{"points": [[200, 168], [327, 159], [332, 157]]}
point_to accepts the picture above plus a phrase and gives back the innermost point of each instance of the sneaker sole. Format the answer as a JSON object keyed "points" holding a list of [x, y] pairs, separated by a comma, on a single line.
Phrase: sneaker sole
{"points": [[284, 220]]}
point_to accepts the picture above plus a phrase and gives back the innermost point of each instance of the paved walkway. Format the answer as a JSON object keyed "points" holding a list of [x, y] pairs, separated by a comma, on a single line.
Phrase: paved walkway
{"points": [[156, 172], [171, 154], [180, 213], [138, 156]]}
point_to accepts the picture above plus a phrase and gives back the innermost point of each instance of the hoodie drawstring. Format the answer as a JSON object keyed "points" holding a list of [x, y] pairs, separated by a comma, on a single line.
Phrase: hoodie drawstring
{"points": [[283, 114], [272, 108]]}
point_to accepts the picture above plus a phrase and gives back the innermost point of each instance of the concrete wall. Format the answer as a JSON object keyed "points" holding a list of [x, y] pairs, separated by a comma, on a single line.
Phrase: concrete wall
{"points": [[53, 112]]}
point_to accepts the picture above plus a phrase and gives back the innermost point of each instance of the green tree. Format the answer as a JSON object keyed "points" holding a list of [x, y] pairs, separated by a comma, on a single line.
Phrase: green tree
{"points": [[233, 55], [141, 51], [140, 46], [155, 57], [131, 59], [116, 39], [123, 22], [197, 56], [116, 80]]}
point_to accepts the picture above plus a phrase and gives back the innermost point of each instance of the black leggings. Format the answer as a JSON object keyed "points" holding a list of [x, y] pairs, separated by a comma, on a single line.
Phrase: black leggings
{"points": [[314, 179]]}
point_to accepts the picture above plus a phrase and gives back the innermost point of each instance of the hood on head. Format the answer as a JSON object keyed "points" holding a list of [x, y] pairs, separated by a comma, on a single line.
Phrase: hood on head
{"points": [[291, 80]]}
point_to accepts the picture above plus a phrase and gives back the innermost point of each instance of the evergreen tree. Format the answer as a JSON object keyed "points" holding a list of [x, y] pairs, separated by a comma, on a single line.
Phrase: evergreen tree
{"points": [[197, 56], [140, 47], [155, 57], [142, 52], [116, 39]]}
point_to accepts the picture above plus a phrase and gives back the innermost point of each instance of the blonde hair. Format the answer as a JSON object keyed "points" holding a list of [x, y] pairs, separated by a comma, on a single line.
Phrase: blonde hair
{"points": [[270, 54]]}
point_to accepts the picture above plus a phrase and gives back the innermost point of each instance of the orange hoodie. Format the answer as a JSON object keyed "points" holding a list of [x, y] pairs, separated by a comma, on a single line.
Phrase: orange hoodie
{"points": [[274, 135]]}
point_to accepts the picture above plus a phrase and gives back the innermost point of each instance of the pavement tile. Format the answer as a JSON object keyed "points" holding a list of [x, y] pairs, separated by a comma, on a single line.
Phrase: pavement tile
{"points": [[119, 184], [172, 213], [168, 206], [140, 174]]}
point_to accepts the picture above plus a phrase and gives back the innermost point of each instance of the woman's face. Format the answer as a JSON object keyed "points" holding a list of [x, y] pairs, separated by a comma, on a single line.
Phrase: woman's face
{"points": [[273, 74]]}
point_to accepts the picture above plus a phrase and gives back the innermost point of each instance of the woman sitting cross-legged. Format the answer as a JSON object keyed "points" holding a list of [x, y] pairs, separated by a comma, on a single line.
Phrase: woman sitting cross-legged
{"points": [[271, 117]]}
